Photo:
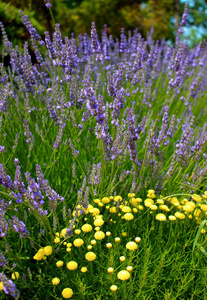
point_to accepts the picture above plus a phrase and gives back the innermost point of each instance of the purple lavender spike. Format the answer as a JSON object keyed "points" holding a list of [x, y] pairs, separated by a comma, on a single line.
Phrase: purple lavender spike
{"points": [[3, 261], [185, 15], [9, 287], [18, 226]]}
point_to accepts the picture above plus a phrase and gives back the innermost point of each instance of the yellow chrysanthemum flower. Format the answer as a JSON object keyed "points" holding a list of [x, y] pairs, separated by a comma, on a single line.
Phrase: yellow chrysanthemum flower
{"points": [[131, 246], [128, 216], [160, 217], [123, 275], [137, 239], [172, 218], [55, 281], [67, 293], [59, 263], [99, 235], [96, 201], [179, 215], [94, 211], [196, 197], [98, 222], [72, 265], [110, 270], [134, 202], [131, 195], [151, 195], [153, 207], [63, 232], [188, 208], [90, 256], [89, 247], [113, 288], [39, 255], [122, 258], [164, 207], [109, 245], [174, 201], [203, 207], [86, 228], [78, 242], [184, 201], [47, 250], [148, 202], [117, 198], [113, 210], [106, 200], [126, 209], [84, 269], [192, 204], [108, 233], [160, 201], [56, 240], [77, 231], [117, 239], [93, 242], [129, 268]]}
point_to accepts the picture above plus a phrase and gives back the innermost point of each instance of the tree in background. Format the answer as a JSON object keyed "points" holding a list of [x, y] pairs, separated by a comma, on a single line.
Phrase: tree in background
{"points": [[128, 14], [76, 16], [197, 20]]}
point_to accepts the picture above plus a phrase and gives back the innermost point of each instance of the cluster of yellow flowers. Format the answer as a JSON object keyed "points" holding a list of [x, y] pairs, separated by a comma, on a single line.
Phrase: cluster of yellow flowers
{"points": [[103, 214], [42, 253]]}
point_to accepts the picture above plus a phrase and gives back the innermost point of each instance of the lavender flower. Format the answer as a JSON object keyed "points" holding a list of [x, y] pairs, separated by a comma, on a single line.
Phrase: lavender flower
{"points": [[74, 152], [8, 286], [122, 48], [27, 132], [3, 261], [85, 201], [95, 45], [33, 192], [80, 192], [18, 226], [48, 4], [90, 98], [2, 149], [18, 181], [185, 15], [3, 223], [100, 111], [5, 179], [95, 175], [118, 104], [59, 136], [30, 27], [50, 193]]}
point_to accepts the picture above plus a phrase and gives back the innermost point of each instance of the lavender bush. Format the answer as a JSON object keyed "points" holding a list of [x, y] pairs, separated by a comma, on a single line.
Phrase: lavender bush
{"points": [[111, 133]]}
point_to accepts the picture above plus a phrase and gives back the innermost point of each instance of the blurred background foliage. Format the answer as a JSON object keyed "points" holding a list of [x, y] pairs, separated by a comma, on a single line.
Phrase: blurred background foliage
{"points": [[76, 16]]}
